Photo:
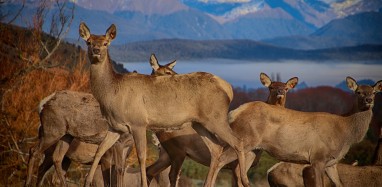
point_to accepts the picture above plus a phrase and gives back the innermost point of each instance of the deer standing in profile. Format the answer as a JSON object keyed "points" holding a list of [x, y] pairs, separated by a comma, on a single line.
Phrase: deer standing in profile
{"points": [[133, 103], [290, 174], [315, 138], [186, 142], [63, 132]]}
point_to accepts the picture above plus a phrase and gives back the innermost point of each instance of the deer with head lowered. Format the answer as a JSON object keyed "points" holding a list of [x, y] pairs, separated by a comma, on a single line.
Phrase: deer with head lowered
{"points": [[290, 174], [315, 138], [133, 103], [71, 118], [65, 117], [186, 142]]}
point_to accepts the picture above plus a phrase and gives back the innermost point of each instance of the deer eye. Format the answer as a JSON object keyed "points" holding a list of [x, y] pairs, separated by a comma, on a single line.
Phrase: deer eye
{"points": [[105, 44], [88, 43]]}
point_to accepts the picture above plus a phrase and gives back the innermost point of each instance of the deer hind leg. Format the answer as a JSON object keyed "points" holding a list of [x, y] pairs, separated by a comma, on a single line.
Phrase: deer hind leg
{"points": [[313, 175], [332, 173], [58, 156], [176, 166], [110, 138], [139, 134], [44, 147], [161, 164], [33, 156], [251, 158], [224, 132], [215, 150], [45, 166]]}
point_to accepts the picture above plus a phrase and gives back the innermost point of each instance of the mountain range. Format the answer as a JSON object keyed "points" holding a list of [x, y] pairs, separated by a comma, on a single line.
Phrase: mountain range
{"points": [[298, 24]]}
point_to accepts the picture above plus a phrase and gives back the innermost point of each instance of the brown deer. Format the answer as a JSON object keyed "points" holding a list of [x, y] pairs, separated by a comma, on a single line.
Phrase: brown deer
{"points": [[65, 115], [186, 142], [315, 138], [133, 103], [289, 174], [60, 108]]}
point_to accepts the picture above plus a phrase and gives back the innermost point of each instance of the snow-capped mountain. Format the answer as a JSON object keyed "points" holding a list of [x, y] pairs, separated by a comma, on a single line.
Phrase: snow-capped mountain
{"points": [[139, 20]]}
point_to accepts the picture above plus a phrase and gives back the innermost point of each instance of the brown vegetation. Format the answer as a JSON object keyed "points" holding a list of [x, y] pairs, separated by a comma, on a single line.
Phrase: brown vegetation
{"points": [[23, 85]]}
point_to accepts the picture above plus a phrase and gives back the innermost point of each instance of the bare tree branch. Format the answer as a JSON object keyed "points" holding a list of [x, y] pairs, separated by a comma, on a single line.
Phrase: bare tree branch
{"points": [[14, 140], [65, 23], [16, 15]]}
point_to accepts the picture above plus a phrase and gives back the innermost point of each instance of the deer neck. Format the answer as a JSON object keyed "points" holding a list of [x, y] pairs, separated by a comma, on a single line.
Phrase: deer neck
{"points": [[102, 78], [360, 124]]}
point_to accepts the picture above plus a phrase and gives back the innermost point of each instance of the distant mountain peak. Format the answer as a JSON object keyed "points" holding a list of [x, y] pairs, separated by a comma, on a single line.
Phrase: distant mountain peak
{"points": [[147, 7]]}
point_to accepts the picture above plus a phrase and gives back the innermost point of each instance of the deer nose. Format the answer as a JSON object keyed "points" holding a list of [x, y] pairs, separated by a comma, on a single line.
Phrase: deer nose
{"points": [[280, 92], [96, 51], [369, 100]]}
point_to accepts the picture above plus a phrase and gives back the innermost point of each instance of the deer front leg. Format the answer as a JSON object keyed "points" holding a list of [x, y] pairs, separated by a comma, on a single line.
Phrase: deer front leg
{"points": [[110, 138], [332, 173], [139, 134]]}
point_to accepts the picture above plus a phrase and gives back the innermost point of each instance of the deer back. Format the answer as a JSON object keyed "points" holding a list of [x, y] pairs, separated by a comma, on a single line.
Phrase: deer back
{"points": [[74, 113]]}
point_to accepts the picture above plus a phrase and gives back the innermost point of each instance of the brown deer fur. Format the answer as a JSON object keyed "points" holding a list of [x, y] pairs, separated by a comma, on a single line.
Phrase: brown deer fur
{"points": [[315, 138], [186, 142], [64, 107], [289, 174], [65, 115], [132, 103]]}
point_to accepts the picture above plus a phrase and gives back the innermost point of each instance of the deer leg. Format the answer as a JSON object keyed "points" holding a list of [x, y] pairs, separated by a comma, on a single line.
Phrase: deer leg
{"points": [[139, 134], [225, 133], [176, 166], [58, 156], [161, 164], [312, 175], [45, 166], [33, 155], [45, 149], [215, 150], [106, 166], [332, 173], [110, 138], [250, 158], [119, 161]]}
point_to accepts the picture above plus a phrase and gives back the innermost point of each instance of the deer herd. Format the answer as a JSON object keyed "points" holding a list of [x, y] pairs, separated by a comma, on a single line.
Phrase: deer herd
{"points": [[189, 116]]}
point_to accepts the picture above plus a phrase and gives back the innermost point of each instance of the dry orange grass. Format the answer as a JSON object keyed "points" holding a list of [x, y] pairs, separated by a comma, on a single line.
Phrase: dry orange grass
{"points": [[22, 87]]}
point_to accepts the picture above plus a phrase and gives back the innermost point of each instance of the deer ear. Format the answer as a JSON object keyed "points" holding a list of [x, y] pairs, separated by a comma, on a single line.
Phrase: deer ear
{"points": [[291, 83], [171, 64], [154, 62], [352, 84], [265, 80], [378, 86], [111, 32], [84, 31]]}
